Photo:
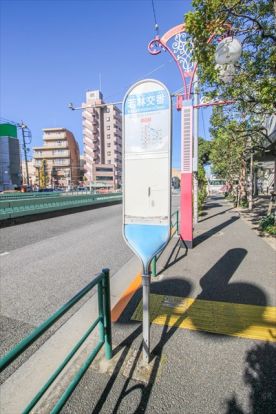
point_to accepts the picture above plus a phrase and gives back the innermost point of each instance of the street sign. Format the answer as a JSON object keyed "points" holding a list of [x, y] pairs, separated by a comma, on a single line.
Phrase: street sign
{"points": [[147, 179], [147, 169]]}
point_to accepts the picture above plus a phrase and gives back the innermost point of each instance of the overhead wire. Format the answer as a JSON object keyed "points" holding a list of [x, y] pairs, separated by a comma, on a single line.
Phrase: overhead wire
{"points": [[156, 26]]}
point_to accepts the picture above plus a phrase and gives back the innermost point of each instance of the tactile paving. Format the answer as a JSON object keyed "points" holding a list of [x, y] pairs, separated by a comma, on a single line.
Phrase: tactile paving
{"points": [[245, 321]]}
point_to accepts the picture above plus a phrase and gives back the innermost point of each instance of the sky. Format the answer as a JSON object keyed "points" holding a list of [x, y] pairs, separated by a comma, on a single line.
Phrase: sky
{"points": [[53, 51]]}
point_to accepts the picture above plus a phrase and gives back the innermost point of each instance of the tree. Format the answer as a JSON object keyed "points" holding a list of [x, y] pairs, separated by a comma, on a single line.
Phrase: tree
{"points": [[253, 87], [229, 152], [43, 174], [204, 148]]}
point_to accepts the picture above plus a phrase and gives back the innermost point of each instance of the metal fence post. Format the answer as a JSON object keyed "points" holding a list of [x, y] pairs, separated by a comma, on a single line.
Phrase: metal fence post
{"points": [[153, 266], [101, 310], [107, 315]]}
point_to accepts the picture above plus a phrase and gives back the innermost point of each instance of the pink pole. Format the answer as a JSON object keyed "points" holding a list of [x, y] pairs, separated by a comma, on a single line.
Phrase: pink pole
{"points": [[186, 209], [186, 185]]}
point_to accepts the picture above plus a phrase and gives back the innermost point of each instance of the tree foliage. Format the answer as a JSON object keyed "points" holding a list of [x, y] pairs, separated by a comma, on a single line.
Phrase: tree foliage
{"points": [[43, 174], [204, 148], [228, 149], [253, 87], [253, 22]]}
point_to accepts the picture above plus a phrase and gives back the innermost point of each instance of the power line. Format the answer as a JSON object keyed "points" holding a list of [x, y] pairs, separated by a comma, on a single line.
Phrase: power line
{"points": [[156, 27], [141, 77]]}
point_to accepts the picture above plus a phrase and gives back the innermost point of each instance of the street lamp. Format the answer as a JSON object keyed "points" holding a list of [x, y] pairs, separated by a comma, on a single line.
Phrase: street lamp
{"points": [[178, 43]]}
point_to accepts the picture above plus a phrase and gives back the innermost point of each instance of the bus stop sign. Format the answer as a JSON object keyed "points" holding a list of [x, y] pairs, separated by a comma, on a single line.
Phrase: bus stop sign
{"points": [[147, 169]]}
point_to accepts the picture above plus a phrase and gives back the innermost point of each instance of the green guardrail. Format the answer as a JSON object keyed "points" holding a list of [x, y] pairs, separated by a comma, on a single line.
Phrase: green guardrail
{"points": [[102, 280], [17, 195], [23, 207], [174, 230]]}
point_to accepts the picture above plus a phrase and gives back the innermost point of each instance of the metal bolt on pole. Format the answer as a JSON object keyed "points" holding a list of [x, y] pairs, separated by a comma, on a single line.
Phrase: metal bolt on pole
{"points": [[146, 318]]}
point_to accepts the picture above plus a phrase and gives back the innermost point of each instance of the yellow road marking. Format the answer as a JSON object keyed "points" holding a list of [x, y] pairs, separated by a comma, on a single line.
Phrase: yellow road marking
{"points": [[245, 321]]}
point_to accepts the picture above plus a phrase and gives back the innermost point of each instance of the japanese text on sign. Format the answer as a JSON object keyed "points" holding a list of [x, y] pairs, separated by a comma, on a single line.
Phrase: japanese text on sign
{"points": [[146, 102]]}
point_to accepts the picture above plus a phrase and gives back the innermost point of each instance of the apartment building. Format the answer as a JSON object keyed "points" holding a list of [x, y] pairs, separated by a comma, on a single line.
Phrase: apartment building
{"points": [[102, 134], [10, 176], [58, 160]]}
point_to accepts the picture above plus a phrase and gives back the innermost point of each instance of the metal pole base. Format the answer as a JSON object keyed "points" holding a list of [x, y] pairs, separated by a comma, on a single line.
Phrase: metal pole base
{"points": [[146, 319]]}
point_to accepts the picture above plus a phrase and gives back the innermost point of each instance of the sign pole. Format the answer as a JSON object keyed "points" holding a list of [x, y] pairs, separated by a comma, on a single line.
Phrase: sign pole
{"points": [[147, 180], [146, 317]]}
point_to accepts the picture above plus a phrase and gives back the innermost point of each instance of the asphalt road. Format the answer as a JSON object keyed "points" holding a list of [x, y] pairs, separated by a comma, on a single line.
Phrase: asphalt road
{"points": [[46, 262]]}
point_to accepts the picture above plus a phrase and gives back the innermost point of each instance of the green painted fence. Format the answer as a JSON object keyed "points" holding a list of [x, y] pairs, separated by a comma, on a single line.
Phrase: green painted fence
{"points": [[102, 281], [20, 207]]}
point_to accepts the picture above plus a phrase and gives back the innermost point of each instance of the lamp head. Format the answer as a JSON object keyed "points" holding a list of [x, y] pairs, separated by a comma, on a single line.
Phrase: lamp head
{"points": [[228, 51]]}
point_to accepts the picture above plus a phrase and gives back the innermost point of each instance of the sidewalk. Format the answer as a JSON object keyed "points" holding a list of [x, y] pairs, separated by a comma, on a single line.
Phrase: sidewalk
{"points": [[213, 333], [254, 217]]}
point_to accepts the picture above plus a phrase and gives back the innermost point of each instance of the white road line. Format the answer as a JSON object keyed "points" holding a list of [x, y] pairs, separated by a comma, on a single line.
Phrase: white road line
{"points": [[4, 253]]}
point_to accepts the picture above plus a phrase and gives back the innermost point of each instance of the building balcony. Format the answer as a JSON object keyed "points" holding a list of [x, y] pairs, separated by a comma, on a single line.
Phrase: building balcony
{"points": [[52, 145], [88, 151], [61, 163], [52, 154], [88, 141], [54, 136], [87, 123]]}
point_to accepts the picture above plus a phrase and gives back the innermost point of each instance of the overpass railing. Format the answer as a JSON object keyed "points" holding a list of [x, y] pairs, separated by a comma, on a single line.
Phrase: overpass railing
{"points": [[20, 207], [103, 321]]}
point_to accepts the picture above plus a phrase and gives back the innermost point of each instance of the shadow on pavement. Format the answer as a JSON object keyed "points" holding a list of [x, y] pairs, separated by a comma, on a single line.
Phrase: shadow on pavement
{"points": [[211, 205], [174, 256], [214, 215], [216, 287], [215, 283], [172, 286], [204, 236], [259, 375]]}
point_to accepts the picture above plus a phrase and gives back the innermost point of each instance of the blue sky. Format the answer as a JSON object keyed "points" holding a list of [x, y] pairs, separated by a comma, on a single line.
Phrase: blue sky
{"points": [[53, 51]]}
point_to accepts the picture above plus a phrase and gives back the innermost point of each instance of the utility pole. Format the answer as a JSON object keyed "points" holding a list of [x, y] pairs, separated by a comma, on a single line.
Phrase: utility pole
{"points": [[24, 129]]}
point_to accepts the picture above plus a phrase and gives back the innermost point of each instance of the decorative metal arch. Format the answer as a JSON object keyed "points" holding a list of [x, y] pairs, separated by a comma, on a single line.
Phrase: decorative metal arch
{"points": [[181, 50]]}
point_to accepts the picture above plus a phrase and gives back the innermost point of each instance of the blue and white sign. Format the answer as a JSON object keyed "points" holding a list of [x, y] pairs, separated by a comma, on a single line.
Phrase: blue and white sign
{"points": [[147, 168]]}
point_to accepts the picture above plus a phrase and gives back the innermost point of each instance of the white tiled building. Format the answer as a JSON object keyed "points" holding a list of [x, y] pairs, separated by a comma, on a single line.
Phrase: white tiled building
{"points": [[102, 134]]}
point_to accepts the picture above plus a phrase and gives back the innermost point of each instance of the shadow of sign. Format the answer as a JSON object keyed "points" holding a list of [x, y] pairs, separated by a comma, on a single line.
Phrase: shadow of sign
{"points": [[216, 287]]}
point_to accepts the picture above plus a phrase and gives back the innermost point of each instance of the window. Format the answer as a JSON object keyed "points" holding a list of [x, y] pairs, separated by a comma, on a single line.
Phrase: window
{"points": [[108, 118], [108, 127], [108, 136], [108, 110], [108, 145], [104, 169], [109, 153], [109, 162], [103, 178]]}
